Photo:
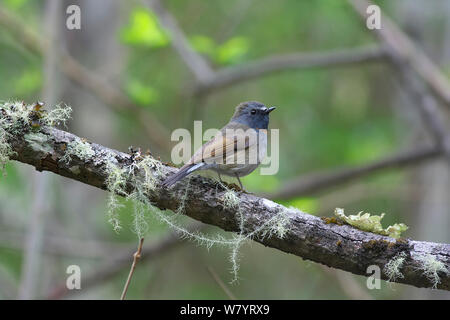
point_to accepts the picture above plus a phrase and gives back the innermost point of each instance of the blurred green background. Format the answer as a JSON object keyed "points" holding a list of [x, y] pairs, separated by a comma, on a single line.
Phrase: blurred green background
{"points": [[328, 118]]}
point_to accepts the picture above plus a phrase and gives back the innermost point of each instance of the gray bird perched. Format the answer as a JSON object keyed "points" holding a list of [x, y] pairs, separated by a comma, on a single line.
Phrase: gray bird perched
{"points": [[236, 150]]}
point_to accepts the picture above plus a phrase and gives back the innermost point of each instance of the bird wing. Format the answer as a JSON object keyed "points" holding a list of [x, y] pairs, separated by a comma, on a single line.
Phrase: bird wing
{"points": [[226, 147]]}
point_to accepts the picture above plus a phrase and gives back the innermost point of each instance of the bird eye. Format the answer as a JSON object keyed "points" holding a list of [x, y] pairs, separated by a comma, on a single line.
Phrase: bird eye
{"points": [[253, 111]]}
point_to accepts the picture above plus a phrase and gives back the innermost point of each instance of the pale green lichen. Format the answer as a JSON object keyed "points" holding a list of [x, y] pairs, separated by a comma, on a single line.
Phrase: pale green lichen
{"points": [[140, 225], [182, 205], [371, 223], [431, 268], [75, 170], [152, 170], [230, 199], [60, 114], [78, 148], [392, 268], [17, 118], [5, 149], [38, 142], [14, 118], [278, 225], [115, 183]]}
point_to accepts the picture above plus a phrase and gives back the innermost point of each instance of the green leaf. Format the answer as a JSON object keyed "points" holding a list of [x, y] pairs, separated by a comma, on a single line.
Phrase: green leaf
{"points": [[15, 4], [141, 94], [29, 82], [203, 44], [144, 30], [305, 204], [232, 51]]}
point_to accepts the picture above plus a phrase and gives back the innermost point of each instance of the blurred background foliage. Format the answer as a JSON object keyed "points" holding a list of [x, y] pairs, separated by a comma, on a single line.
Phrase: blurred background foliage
{"points": [[328, 118]]}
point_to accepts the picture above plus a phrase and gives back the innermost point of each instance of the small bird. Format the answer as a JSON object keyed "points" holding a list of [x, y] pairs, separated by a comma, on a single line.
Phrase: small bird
{"points": [[236, 150]]}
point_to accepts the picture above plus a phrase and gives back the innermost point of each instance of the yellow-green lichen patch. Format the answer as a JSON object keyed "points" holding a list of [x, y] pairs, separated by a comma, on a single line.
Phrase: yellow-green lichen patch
{"points": [[371, 223]]}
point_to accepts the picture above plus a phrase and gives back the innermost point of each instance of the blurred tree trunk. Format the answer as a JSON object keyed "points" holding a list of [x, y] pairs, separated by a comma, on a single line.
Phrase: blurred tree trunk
{"points": [[31, 280], [96, 47]]}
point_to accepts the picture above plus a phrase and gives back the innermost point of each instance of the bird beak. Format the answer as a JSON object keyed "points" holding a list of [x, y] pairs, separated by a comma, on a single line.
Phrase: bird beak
{"points": [[270, 110]]}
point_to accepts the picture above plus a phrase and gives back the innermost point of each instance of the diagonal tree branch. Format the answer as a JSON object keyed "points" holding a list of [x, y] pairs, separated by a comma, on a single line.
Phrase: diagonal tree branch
{"points": [[290, 62], [397, 41], [210, 80], [338, 246], [195, 62], [304, 185]]}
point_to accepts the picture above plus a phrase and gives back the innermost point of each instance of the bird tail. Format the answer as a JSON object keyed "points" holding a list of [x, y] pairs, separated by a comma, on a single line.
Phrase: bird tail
{"points": [[183, 172]]}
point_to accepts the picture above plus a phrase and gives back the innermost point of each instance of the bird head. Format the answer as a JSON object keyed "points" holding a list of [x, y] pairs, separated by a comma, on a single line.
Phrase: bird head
{"points": [[254, 114]]}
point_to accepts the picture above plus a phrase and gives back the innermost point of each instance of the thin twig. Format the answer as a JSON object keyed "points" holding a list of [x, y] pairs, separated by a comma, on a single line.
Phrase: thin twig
{"points": [[136, 257], [222, 285], [119, 261]]}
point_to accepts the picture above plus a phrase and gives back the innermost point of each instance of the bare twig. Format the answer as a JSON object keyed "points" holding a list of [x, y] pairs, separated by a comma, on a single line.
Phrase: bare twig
{"points": [[136, 257], [222, 285], [321, 181], [338, 246], [118, 262]]}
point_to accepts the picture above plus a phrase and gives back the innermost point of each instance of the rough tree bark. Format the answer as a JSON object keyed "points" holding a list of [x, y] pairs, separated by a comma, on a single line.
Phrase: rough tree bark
{"points": [[338, 246]]}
